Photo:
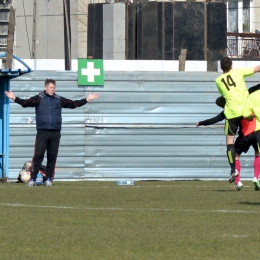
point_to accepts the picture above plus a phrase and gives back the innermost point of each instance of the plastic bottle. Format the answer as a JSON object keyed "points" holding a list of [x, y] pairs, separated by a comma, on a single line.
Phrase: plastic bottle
{"points": [[39, 179], [125, 182]]}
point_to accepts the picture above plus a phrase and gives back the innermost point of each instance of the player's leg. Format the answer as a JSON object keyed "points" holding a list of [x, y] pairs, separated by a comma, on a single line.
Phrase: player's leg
{"points": [[242, 145], [256, 164], [231, 127], [238, 183], [256, 172], [231, 155]]}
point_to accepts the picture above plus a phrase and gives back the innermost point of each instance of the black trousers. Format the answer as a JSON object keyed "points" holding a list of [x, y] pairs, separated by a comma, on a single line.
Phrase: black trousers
{"points": [[48, 141]]}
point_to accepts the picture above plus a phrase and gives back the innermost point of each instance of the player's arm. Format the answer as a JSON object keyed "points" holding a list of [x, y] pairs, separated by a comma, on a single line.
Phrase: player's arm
{"points": [[213, 120], [257, 69], [254, 88]]}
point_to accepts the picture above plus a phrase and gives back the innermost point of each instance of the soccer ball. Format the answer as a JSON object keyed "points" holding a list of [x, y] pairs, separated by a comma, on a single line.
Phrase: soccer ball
{"points": [[25, 176]]}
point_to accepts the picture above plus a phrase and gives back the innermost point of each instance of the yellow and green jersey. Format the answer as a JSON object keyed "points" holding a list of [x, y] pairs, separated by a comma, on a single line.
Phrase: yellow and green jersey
{"points": [[232, 87], [252, 106]]}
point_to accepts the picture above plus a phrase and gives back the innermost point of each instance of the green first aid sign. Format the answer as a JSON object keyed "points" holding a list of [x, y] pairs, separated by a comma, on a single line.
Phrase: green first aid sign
{"points": [[90, 72]]}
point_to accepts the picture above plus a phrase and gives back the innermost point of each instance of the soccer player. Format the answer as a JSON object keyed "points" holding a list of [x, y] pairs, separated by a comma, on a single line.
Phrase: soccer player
{"points": [[232, 87], [252, 106], [246, 138]]}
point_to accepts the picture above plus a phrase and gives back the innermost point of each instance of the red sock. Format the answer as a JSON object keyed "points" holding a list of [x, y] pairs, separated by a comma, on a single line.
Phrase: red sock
{"points": [[238, 167], [256, 166]]}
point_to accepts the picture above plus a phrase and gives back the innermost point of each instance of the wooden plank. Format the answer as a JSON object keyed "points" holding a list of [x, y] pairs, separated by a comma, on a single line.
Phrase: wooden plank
{"points": [[182, 59], [10, 39], [244, 35]]}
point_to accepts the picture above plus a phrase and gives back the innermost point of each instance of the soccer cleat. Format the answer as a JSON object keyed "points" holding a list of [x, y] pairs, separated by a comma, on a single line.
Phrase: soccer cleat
{"points": [[31, 183], [239, 186], [48, 183], [233, 176], [256, 183]]}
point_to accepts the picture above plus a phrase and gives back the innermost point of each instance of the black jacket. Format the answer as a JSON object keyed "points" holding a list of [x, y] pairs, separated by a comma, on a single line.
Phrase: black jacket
{"points": [[48, 109]]}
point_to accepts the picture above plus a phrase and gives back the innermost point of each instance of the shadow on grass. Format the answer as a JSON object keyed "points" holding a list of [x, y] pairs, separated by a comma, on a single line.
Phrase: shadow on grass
{"points": [[224, 190], [250, 203]]}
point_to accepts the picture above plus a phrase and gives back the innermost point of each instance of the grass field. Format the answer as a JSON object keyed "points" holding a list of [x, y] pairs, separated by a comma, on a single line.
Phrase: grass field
{"points": [[150, 220]]}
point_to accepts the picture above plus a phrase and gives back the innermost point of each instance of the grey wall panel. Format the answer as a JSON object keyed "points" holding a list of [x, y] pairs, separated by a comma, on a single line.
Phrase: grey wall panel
{"points": [[143, 126], [49, 29], [114, 32]]}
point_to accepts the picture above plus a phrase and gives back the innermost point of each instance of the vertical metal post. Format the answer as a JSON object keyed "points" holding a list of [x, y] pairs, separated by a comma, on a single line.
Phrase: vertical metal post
{"points": [[205, 32], [163, 31], [5, 128], [126, 29], [34, 30], [67, 34]]}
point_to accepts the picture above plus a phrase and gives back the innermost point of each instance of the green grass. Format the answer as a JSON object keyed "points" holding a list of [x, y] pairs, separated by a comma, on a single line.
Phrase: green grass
{"points": [[150, 220]]}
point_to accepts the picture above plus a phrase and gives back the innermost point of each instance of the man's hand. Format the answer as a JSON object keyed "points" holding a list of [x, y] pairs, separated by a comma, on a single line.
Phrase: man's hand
{"points": [[92, 96], [10, 94]]}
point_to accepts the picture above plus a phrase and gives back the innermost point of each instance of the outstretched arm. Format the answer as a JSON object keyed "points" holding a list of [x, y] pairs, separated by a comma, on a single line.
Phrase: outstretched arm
{"points": [[10, 94], [254, 88], [213, 120], [68, 103], [257, 69], [92, 96]]}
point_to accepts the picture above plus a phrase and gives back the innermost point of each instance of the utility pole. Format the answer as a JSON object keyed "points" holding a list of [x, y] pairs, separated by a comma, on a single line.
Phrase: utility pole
{"points": [[34, 30], [10, 39], [205, 31], [67, 34]]}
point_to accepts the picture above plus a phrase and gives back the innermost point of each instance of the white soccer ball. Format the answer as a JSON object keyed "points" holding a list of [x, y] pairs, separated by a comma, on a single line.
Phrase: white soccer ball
{"points": [[25, 177]]}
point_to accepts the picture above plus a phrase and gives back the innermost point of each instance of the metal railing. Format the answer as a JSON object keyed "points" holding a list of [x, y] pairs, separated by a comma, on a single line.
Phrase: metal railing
{"points": [[244, 46]]}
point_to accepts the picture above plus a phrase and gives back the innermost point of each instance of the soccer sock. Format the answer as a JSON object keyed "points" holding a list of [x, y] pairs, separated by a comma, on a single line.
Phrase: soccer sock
{"points": [[256, 166], [238, 167], [231, 155]]}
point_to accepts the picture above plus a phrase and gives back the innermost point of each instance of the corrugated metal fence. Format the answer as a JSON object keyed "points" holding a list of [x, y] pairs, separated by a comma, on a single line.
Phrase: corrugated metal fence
{"points": [[143, 127]]}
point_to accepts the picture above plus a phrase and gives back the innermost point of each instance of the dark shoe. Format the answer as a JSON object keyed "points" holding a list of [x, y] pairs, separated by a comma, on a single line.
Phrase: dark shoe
{"points": [[233, 176]]}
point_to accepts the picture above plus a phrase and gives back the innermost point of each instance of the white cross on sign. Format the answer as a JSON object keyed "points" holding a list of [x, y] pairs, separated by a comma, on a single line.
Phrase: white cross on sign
{"points": [[90, 72]]}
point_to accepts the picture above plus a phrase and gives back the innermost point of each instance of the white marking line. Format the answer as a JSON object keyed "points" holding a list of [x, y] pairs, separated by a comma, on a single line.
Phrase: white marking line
{"points": [[139, 187], [129, 209], [233, 235], [172, 186]]}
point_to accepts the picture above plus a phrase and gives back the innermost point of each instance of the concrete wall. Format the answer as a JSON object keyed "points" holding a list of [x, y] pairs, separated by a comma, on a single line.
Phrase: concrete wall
{"points": [[114, 32], [131, 65], [49, 29]]}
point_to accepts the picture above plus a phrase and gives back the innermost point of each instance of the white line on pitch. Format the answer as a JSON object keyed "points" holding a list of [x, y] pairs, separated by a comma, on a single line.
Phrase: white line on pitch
{"points": [[133, 209]]}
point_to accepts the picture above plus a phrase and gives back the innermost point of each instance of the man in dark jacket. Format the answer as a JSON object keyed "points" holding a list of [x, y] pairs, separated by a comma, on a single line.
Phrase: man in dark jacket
{"points": [[48, 106]]}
